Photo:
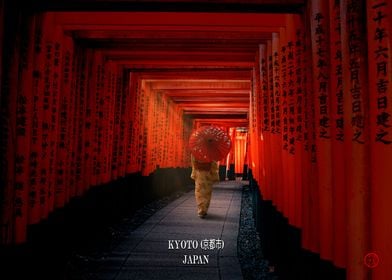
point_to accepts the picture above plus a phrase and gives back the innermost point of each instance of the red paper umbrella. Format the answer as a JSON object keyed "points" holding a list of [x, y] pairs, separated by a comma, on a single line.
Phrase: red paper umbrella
{"points": [[209, 143]]}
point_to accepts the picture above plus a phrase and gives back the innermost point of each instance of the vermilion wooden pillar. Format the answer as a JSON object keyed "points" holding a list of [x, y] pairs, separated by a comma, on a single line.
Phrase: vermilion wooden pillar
{"points": [[277, 126], [95, 110], [131, 146], [356, 136], [112, 116], [231, 155], [282, 110], [117, 99], [89, 120], [150, 126], [239, 152], [265, 124], [321, 66], [252, 125], [290, 82], [379, 15], [104, 122], [75, 126], [259, 155], [71, 191], [1, 37], [274, 146], [24, 100], [3, 127], [124, 122], [109, 97], [256, 155], [307, 133], [65, 121], [8, 124], [147, 119], [57, 91], [46, 98], [312, 195], [337, 136], [299, 106], [80, 127], [12, 193], [69, 67]]}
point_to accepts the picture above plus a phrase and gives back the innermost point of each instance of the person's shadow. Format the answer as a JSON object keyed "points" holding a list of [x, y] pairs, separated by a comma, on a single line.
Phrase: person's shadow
{"points": [[214, 217]]}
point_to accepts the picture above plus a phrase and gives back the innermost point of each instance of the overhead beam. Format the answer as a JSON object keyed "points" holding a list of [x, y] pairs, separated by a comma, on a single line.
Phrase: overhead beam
{"points": [[211, 111], [224, 122], [181, 73], [169, 32], [183, 56], [199, 84], [139, 67], [195, 19], [225, 92], [242, 116], [191, 64]]}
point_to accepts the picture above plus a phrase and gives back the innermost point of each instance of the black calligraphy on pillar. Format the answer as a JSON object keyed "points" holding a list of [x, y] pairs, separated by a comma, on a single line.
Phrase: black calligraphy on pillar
{"points": [[259, 96], [35, 121], [338, 58], [157, 119], [33, 164], [322, 75], [99, 111], [21, 163], [271, 93], [63, 124], [299, 78], [355, 49], [141, 110], [151, 134], [112, 118], [124, 119], [117, 116], [264, 89], [277, 87], [46, 125], [64, 102], [134, 124], [88, 123], [161, 107], [19, 185], [307, 91], [71, 140], [21, 110], [81, 112], [285, 107], [291, 97], [382, 39], [55, 107], [254, 103]]}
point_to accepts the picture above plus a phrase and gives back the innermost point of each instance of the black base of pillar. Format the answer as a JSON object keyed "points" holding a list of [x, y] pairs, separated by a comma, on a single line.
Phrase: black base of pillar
{"points": [[245, 172], [85, 222], [281, 245], [222, 172], [231, 173]]}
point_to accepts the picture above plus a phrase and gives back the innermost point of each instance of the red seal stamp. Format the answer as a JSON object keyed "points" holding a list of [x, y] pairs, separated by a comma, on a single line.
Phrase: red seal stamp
{"points": [[371, 260]]}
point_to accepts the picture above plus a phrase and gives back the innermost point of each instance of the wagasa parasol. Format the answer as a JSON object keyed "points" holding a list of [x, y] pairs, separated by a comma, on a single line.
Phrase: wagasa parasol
{"points": [[209, 143]]}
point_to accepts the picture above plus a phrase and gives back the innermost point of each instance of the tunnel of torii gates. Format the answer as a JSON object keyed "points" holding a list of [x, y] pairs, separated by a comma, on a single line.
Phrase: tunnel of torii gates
{"points": [[91, 96]]}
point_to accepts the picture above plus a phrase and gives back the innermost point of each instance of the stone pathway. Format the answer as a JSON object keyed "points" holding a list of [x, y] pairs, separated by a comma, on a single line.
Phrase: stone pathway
{"points": [[145, 254]]}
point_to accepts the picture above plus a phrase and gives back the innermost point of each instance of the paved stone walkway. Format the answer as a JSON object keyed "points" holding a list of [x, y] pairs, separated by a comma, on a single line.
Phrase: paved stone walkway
{"points": [[145, 254]]}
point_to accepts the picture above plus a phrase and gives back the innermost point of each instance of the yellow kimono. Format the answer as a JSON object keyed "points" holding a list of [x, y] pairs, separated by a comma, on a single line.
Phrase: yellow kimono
{"points": [[205, 175]]}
